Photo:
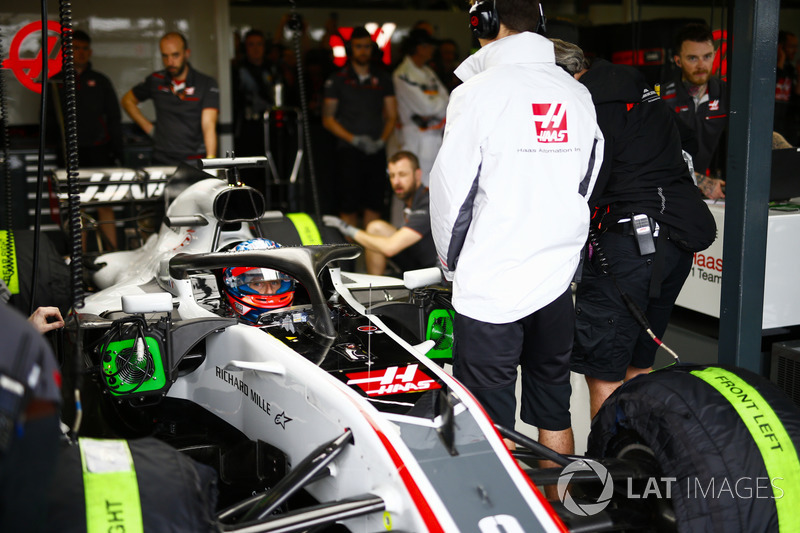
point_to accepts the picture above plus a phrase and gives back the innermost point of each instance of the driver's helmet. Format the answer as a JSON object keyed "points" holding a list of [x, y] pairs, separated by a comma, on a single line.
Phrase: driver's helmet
{"points": [[252, 291]]}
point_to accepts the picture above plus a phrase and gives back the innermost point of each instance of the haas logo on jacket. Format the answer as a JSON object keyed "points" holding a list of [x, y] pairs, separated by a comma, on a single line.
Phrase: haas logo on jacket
{"points": [[551, 122]]}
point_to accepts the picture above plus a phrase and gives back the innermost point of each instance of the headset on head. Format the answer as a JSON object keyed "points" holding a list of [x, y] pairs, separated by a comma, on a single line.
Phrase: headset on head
{"points": [[483, 19], [485, 23]]}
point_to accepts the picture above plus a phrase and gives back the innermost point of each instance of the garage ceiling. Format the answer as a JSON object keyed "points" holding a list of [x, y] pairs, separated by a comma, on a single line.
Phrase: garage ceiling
{"points": [[461, 5]]}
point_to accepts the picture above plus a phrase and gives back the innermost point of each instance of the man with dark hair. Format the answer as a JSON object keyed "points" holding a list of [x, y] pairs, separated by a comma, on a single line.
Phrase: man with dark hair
{"points": [[787, 88], [411, 246], [421, 101], [99, 121], [98, 114], [360, 110], [643, 177], [253, 91], [701, 102], [186, 102], [509, 217]]}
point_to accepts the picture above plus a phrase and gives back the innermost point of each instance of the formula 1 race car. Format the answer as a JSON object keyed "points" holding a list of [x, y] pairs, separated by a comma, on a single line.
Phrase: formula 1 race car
{"points": [[333, 413]]}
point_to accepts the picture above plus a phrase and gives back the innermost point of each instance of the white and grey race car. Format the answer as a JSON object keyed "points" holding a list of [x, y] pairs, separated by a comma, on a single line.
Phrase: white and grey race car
{"points": [[331, 414]]}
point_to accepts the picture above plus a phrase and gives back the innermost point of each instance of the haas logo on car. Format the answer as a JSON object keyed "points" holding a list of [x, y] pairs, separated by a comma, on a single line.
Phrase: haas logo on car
{"points": [[551, 122], [392, 380]]}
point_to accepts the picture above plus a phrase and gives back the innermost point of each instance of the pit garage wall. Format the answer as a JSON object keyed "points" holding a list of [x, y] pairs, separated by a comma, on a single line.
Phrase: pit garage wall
{"points": [[446, 24], [125, 40], [125, 44], [125, 36]]}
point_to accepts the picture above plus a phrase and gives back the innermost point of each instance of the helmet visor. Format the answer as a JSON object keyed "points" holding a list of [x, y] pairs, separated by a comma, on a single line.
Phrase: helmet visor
{"points": [[247, 279]]}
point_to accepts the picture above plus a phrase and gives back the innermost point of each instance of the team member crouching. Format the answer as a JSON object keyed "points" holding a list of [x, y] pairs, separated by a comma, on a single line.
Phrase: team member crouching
{"points": [[411, 246]]}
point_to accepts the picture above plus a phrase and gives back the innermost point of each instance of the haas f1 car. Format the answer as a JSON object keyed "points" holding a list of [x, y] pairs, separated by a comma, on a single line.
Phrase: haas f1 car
{"points": [[332, 412]]}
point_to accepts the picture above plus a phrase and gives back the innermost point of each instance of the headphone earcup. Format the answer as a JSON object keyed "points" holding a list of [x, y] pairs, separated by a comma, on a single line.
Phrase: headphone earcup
{"points": [[483, 20]]}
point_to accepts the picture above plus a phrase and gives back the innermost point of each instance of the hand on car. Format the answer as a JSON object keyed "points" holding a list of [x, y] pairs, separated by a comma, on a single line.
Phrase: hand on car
{"points": [[40, 316]]}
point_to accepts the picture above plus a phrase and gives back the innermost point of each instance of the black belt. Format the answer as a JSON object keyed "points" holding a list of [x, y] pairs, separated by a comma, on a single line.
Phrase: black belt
{"points": [[626, 227]]}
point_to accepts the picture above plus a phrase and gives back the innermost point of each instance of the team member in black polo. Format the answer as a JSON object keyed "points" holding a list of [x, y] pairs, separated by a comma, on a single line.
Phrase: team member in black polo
{"points": [[410, 246], [98, 118], [360, 109], [186, 102], [701, 102], [99, 121]]}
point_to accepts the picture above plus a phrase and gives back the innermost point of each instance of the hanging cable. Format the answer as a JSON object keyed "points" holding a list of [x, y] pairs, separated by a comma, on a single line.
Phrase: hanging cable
{"points": [[8, 258], [73, 191], [71, 134], [297, 27], [40, 174], [637, 314]]}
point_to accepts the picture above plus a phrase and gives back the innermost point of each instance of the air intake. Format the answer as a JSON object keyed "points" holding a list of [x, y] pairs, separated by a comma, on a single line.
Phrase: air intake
{"points": [[785, 367]]}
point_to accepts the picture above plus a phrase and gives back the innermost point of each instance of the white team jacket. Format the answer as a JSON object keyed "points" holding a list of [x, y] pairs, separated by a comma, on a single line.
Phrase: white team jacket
{"points": [[520, 156], [419, 92]]}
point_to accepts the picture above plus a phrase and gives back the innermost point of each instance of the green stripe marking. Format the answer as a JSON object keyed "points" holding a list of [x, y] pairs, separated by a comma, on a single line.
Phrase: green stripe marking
{"points": [[772, 439], [306, 228], [110, 487]]}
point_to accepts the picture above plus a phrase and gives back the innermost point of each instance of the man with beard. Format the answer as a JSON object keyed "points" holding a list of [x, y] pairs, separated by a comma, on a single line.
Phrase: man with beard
{"points": [[701, 102], [186, 102], [411, 247], [360, 109]]}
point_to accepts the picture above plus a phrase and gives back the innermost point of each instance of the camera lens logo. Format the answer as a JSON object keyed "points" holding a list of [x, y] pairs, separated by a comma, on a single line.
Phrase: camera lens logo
{"points": [[585, 509]]}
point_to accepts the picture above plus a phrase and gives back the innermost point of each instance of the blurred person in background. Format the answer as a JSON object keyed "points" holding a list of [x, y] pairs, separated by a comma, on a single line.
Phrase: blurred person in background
{"points": [[421, 101], [99, 122], [360, 110]]}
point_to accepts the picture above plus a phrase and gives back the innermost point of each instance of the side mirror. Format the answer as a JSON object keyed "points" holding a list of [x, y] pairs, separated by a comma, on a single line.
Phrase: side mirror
{"points": [[414, 279], [158, 302], [239, 204]]}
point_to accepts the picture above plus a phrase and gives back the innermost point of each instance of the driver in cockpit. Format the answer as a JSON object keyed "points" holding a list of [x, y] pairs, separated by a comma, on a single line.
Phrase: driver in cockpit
{"points": [[252, 291]]}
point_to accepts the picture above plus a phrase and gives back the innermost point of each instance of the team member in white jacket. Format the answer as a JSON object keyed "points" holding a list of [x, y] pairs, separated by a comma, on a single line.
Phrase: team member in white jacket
{"points": [[509, 218], [421, 101]]}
